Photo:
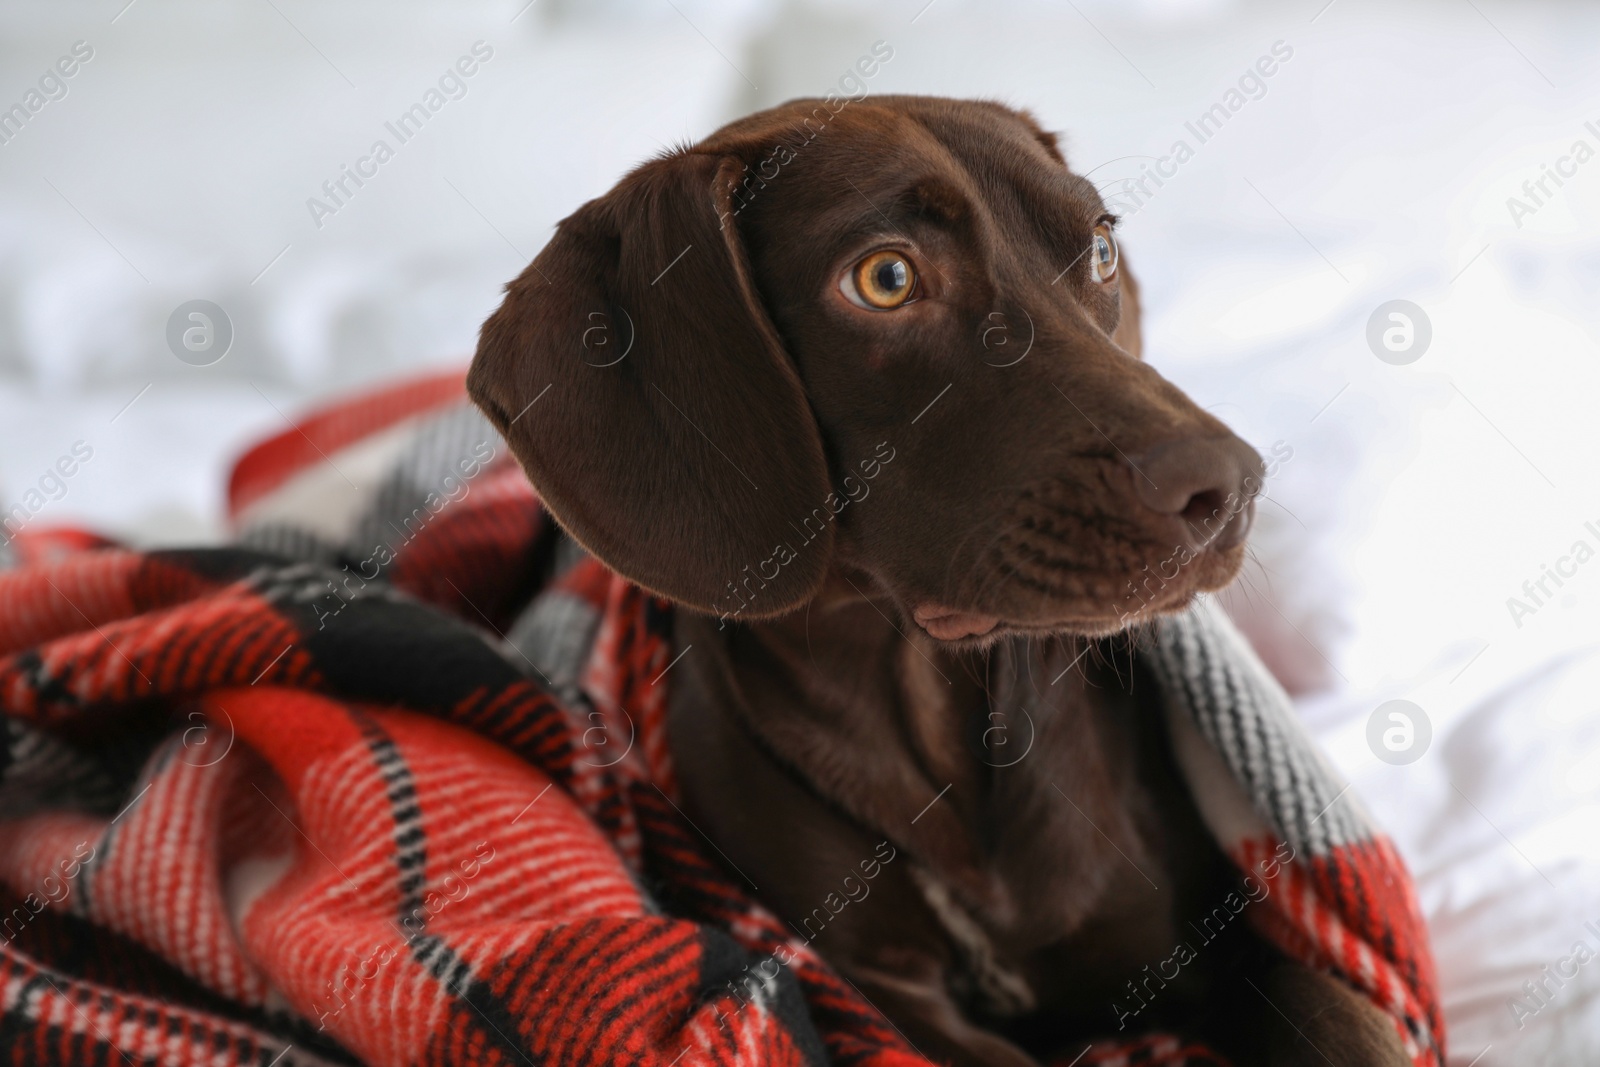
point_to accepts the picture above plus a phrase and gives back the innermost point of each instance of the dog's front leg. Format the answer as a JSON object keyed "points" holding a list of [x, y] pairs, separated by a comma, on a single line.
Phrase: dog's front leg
{"points": [[1314, 1020], [917, 1003]]}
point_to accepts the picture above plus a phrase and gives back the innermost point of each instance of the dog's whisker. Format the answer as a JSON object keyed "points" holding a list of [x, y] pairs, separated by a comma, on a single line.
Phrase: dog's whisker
{"points": [[998, 495], [1252, 558], [1292, 515]]}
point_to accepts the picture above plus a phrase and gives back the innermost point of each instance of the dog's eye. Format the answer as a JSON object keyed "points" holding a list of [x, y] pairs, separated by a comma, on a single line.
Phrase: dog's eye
{"points": [[1103, 255], [881, 282]]}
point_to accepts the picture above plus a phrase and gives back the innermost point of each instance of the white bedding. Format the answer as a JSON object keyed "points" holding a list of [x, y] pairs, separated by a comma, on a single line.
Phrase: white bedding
{"points": [[1376, 165]]}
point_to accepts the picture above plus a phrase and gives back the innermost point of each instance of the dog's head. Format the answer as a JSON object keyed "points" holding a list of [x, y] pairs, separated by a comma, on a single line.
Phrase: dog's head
{"points": [[890, 340]]}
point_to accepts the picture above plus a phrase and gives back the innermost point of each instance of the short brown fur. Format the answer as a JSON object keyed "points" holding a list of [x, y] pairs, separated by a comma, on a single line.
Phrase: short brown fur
{"points": [[691, 395]]}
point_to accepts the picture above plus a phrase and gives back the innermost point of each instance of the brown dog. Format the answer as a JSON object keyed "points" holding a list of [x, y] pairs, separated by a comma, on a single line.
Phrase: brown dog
{"points": [[863, 390]]}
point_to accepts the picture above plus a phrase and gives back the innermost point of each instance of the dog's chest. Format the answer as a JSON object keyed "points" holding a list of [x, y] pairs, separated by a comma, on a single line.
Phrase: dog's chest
{"points": [[1037, 867], [1089, 860]]}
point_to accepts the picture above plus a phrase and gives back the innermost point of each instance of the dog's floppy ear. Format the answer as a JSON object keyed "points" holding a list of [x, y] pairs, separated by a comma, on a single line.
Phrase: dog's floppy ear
{"points": [[635, 374]]}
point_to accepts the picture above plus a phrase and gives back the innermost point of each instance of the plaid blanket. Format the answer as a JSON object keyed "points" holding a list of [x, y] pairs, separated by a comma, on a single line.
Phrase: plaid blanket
{"points": [[387, 782]]}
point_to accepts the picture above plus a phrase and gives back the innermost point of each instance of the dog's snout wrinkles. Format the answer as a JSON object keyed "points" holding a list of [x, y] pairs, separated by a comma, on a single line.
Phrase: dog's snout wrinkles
{"points": [[1211, 482]]}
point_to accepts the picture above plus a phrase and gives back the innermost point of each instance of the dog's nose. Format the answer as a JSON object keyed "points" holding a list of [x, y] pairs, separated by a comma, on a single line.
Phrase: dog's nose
{"points": [[1211, 482]]}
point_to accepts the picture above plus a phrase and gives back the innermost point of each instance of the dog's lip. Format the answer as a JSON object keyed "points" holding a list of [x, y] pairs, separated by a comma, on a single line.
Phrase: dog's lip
{"points": [[945, 623], [951, 624]]}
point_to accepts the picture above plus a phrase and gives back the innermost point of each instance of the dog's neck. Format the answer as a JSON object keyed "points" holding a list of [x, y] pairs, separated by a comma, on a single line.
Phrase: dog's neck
{"points": [[1045, 845], [877, 718], [937, 749]]}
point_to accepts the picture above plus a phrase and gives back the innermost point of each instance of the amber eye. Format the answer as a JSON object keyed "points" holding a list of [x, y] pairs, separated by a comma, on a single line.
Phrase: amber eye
{"points": [[881, 282], [1103, 255]]}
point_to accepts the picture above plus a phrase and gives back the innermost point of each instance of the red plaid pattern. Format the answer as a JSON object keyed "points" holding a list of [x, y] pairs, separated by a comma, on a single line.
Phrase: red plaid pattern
{"points": [[237, 830]]}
